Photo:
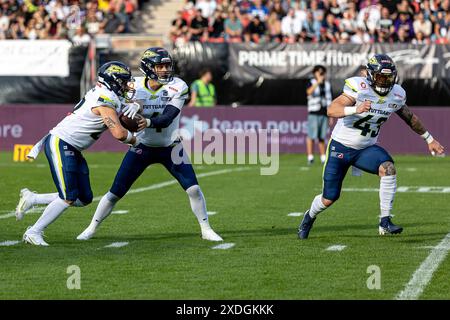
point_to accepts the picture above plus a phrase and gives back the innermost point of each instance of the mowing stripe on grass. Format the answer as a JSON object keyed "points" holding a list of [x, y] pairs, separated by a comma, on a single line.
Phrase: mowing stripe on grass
{"points": [[336, 247], [295, 214], [224, 246], [8, 243], [116, 245], [424, 273], [171, 182]]}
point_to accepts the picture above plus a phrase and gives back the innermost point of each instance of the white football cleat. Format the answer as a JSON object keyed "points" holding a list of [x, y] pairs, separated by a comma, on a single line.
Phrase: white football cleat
{"points": [[34, 238], [86, 234], [209, 234], [25, 203]]}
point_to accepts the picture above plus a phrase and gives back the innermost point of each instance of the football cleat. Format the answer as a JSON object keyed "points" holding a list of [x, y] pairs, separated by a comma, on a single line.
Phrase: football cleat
{"points": [[34, 238], [25, 203], [387, 227], [86, 234], [305, 226], [209, 234]]}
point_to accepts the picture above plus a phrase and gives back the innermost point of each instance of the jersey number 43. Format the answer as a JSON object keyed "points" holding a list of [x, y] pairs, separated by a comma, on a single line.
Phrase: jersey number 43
{"points": [[364, 125]]}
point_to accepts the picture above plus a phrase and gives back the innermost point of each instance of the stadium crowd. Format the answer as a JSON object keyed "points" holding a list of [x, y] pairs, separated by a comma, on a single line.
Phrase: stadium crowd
{"points": [[337, 21], [76, 20]]}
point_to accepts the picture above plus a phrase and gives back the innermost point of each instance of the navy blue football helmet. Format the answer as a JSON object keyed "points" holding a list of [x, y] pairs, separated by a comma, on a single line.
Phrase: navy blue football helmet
{"points": [[116, 76], [381, 73], [157, 56]]}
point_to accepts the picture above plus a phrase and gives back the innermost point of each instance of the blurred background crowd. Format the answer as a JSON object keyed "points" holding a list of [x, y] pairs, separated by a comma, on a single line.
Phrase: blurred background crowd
{"points": [[75, 20], [290, 21]]}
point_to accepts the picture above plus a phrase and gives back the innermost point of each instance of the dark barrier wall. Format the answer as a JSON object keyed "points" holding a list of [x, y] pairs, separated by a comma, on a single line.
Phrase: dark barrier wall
{"points": [[34, 89], [277, 74], [24, 124]]}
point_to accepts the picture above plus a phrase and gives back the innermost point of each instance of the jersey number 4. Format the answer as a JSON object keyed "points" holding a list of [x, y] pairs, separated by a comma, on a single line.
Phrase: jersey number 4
{"points": [[364, 125], [154, 115]]}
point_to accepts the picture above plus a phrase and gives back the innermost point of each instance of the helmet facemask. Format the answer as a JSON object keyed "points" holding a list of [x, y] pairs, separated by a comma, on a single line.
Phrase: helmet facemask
{"points": [[382, 81], [162, 76]]}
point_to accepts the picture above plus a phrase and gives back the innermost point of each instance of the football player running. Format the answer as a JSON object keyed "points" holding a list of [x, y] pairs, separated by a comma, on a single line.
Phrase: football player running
{"points": [[365, 104], [162, 97], [95, 113]]}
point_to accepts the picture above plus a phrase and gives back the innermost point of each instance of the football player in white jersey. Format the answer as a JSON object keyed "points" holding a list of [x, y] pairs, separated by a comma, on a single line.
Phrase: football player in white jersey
{"points": [[161, 96], [95, 113], [363, 107]]}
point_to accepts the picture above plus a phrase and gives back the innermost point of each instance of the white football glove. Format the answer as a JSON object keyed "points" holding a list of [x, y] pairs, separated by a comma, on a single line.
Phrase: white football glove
{"points": [[131, 109]]}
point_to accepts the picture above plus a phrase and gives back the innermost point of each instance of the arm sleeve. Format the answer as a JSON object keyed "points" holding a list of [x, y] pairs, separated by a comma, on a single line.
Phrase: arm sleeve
{"points": [[164, 119]]}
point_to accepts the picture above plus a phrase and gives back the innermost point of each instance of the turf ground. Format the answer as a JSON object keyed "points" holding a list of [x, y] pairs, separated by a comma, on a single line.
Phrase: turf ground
{"points": [[166, 259]]}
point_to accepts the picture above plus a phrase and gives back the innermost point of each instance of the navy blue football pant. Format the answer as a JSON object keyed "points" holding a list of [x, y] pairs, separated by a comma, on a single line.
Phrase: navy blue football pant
{"points": [[138, 158], [69, 169], [340, 158]]}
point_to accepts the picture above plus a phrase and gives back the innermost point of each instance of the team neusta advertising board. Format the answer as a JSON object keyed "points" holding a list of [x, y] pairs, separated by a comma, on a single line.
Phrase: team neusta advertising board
{"points": [[26, 124]]}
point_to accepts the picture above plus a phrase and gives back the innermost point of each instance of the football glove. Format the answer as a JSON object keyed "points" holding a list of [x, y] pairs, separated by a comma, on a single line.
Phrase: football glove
{"points": [[131, 109]]}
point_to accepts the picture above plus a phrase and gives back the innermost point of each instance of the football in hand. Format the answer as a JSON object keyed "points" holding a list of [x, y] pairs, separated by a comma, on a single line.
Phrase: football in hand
{"points": [[130, 124]]}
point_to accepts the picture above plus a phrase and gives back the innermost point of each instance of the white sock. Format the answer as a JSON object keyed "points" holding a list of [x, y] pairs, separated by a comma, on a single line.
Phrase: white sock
{"points": [[44, 198], [317, 206], [310, 157], [104, 208], [50, 214], [388, 186], [323, 158], [198, 205]]}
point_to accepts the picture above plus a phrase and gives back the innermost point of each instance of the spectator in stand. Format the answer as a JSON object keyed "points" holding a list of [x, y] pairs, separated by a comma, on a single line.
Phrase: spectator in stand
{"points": [[113, 22], [348, 23], [233, 28], [360, 37], [274, 27], [81, 37], [203, 92], [255, 31], [207, 7], [260, 10], [217, 29], [329, 30], [179, 27], [278, 9], [404, 21], [291, 27], [422, 26], [198, 30], [402, 35], [311, 29]]}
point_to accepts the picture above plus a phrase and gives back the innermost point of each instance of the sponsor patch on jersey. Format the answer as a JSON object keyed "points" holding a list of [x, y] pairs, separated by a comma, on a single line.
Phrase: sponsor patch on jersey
{"points": [[338, 155], [166, 99], [172, 88], [381, 101], [164, 93], [363, 85], [69, 153], [393, 105]]}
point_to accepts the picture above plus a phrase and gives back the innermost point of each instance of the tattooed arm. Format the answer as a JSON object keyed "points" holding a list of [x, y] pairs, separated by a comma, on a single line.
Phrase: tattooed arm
{"points": [[417, 126], [111, 120]]}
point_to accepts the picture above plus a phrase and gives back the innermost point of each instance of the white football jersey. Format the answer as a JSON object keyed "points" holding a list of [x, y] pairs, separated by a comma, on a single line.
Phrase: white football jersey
{"points": [[82, 127], [153, 103], [359, 131]]}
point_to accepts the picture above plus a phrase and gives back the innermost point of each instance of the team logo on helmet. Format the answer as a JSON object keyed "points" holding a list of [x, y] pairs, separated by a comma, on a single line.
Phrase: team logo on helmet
{"points": [[116, 69], [149, 54]]}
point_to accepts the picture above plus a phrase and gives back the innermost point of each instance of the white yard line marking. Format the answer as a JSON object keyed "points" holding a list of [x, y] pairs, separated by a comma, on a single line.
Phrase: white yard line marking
{"points": [[336, 247], [211, 213], [10, 214], [120, 212], [409, 189], [224, 246], [171, 182], [424, 273], [116, 245], [8, 243], [295, 214]]}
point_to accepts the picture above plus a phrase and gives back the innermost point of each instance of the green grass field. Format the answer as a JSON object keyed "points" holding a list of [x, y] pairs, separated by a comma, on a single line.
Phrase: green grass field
{"points": [[166, 259]]}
